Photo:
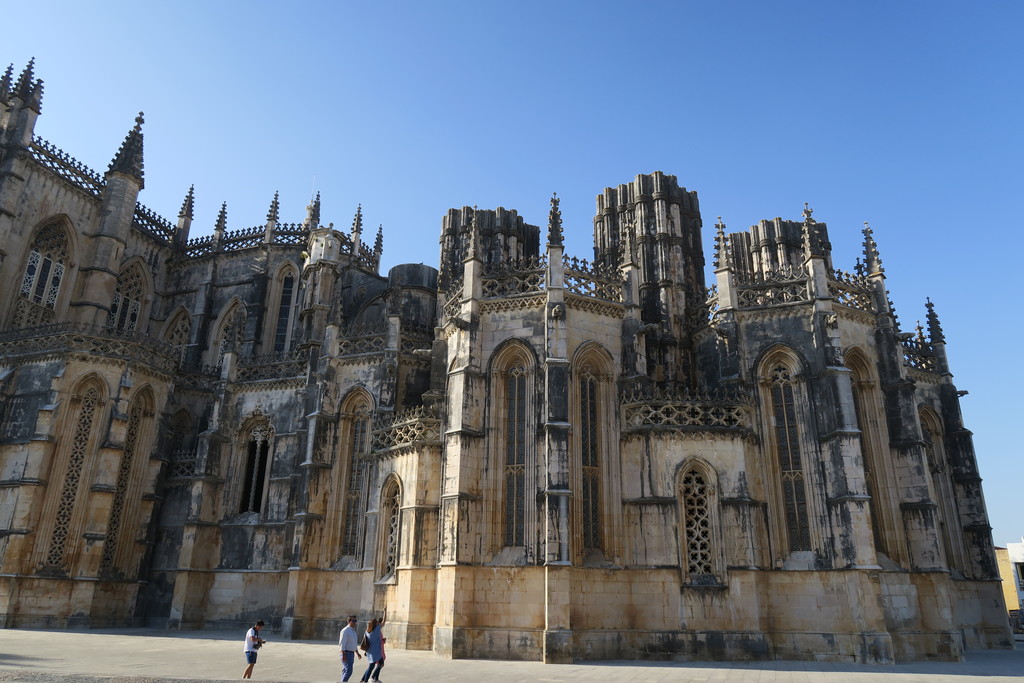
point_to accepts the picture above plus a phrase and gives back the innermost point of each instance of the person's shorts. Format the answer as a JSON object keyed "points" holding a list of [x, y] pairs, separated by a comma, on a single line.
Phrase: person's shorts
{"points": [[250, 657]]}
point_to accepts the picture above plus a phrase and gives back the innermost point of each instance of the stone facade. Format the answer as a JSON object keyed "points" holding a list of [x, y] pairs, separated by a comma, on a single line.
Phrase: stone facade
{"points": [[520, 454]]}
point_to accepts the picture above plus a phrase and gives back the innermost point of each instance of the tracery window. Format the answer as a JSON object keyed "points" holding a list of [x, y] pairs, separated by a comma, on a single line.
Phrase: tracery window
{"points": [[256, 462], [942, 489], [515, 455], [590, 458], [126, 305], [181, 460], [82, 442], [696, 507], [358, 429], [229, 337], [44, 274], [179, 333], [390, 516], [790, 467], [139, 415], [284, 312]]}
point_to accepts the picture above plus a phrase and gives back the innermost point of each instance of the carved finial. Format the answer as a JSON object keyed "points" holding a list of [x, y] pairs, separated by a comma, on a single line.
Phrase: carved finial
{"points": [[313, 213], [188, 204], [274, 213], [720, 244], [378, 244], [920, 333], [872, 261], [858, 267], [555, 222], [222, 219], [128, 159], [811, 234], [934, 328]]}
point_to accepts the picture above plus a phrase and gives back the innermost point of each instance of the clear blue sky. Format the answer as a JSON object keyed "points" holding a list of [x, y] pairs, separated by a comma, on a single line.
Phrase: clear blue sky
{"points": [[904, 114]]}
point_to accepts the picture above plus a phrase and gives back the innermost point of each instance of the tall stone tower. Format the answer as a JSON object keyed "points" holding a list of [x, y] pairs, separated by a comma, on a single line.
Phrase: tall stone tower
{"points": [[655, 223]]}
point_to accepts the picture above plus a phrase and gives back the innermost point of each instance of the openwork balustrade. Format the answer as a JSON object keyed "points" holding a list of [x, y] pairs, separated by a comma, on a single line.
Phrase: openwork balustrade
{"points": [[920, 355], [363, 339], [852, 290], [686, 410], [272, 366], [517, 277], [417, 426], [68, 337], [182, 463], [147, 221], [590, 280], [66, 166], [236, 240]]}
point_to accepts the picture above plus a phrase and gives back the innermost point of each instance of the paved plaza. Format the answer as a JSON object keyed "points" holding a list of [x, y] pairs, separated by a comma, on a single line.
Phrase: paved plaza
{"points": [[154, 656]]}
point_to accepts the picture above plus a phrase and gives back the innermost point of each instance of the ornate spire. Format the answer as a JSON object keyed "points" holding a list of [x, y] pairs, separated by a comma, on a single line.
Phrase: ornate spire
{"points": [[274, 213], [721, 257], [357, 220], [934, 329], [5, 83], [189, 203], [222, 219], [472, 243], [378, 244], [872, 261], [554, 222], [919, 337], [23, 88], [128, 159]]}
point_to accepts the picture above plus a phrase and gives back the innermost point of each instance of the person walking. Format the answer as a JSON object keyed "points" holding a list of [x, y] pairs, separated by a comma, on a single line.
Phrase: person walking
{"points": [[375, 652], [253, 642], [348, 644]]}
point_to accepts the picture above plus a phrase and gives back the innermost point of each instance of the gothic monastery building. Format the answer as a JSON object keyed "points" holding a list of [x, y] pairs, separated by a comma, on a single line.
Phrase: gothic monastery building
{"points": [[520, 453]]}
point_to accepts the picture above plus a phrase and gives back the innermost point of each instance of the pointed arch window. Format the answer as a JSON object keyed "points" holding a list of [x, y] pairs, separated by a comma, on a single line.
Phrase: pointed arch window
{"points": [[140, 417], [358, 429], [86, 404], [788, 456], [942, 489], [700, 544], [515, 455], [256, 464], [229, 337], [179, 333], [126, 306], [590, 457], [391, 528], [43, 277], [285, 308]]}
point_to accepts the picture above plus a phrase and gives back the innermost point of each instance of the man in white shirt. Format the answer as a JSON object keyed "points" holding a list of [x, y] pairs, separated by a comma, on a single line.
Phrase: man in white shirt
{"points": [[348, 644], [252, 643]]}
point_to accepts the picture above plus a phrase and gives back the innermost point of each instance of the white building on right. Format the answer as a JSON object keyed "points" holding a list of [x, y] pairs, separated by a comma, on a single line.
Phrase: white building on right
{"points": [[1011, 569]]}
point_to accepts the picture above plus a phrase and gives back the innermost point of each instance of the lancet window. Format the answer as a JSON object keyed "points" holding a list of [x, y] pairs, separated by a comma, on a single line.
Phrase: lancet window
{"points": [[357, 429], [391, 527], [515, 455], [256, 464], [42, 279], [87, 404], [126, 306], [590, 456], [942, 489], [786, 437], [229, 337], [179, 333], [696, 498], [140, 415], [286, 305]]}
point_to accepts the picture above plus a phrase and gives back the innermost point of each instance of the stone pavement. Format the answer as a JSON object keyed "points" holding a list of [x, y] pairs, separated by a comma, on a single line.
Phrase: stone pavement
{"points": [[156, 656]]}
